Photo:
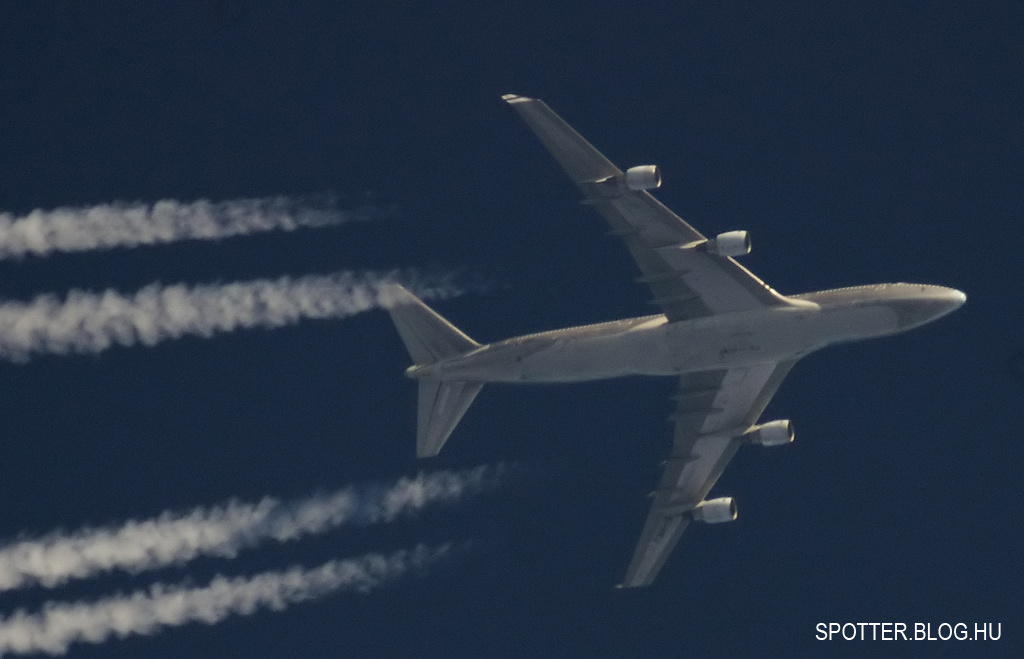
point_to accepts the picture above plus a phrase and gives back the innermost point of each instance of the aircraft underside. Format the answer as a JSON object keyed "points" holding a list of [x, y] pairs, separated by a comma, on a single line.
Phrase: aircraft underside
{"points": [[728, 337], [653, 346]]}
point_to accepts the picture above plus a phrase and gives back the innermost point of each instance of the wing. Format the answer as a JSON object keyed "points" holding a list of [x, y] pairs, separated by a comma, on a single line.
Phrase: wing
{"points": [[713, 408], [685, 281]]}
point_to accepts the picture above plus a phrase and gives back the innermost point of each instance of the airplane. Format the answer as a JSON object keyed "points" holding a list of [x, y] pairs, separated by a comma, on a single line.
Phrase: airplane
{"points": [[729, 338]]}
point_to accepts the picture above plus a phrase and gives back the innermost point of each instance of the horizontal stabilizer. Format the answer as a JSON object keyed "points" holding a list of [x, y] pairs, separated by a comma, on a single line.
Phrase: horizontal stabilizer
{"points": [[441, 406], [428, 337]]}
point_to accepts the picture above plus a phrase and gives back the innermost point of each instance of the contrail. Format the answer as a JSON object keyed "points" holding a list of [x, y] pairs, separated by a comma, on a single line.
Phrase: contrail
{"points": [[90, 322], [59, 625], [175, 538], [119, 224]]}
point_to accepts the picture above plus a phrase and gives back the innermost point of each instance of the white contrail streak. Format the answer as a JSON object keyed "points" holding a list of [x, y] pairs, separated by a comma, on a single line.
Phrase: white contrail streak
{"points": [[90, 322], [119, 224], [59, 625], [175, 538]]}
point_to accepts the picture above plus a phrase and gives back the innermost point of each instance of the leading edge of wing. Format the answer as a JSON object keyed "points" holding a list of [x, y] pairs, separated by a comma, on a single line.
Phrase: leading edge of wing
{"points": [[581, 161], [685, 280], [713, 409]]}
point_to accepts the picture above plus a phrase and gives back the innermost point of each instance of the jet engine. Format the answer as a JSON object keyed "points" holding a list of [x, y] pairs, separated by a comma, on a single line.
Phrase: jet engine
{"points": [[774, 433], [643, 177], [715, 511], [730, 243]]}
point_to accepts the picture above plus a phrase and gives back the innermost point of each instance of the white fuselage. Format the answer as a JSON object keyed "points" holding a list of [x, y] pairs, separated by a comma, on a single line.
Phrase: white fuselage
{"points": [[653, 346]]}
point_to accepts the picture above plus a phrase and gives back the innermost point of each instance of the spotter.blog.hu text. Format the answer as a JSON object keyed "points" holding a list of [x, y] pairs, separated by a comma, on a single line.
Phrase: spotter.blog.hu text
{"points": [[903, 631]]}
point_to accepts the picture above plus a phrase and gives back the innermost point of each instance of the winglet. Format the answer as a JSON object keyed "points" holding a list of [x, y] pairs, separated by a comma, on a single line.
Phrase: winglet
{"points": [[515, 98]]}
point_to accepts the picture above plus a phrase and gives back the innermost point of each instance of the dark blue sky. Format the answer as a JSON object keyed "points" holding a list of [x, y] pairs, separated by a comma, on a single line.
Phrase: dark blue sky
{"points": [[858, 143]]}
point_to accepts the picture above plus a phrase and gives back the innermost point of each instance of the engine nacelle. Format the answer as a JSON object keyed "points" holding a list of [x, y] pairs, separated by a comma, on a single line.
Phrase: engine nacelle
{"points": [[774, 433], [730, 243], [715, 511], [643, 177]]}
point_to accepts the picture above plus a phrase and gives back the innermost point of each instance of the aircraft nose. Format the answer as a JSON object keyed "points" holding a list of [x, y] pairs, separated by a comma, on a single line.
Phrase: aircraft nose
{"points": [[931, 305], [948, 300]]}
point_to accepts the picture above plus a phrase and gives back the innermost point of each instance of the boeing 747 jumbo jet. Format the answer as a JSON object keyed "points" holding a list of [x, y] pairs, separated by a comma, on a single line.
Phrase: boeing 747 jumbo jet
{"points": [[728, 337]]}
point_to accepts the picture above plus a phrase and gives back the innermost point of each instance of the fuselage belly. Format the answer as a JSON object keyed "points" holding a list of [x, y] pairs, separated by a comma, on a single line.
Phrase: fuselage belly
{"points": [[653, 346]]}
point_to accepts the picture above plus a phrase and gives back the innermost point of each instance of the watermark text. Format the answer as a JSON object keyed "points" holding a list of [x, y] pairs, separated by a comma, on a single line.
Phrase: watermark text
{"points": [[908, 631]]}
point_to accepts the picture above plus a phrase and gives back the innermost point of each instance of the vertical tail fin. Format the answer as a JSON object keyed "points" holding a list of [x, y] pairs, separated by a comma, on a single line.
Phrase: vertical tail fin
{"points": [[429, 338]]}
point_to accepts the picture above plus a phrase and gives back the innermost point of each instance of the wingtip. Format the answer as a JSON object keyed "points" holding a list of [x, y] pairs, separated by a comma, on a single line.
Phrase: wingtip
{"points": [[515, 98]]}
